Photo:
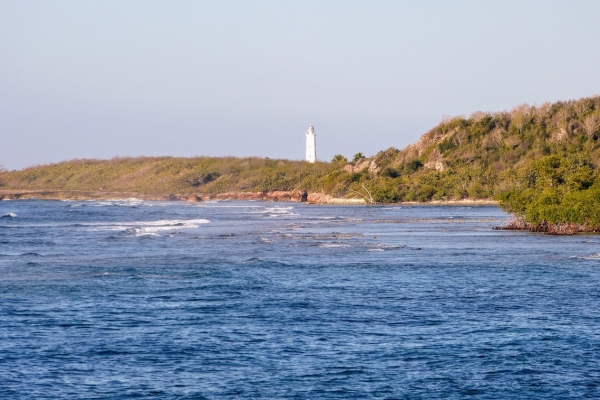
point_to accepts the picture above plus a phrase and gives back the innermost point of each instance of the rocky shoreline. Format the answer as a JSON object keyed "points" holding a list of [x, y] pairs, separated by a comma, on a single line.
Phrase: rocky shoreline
{"points": [[285, 196], [548, 229]]}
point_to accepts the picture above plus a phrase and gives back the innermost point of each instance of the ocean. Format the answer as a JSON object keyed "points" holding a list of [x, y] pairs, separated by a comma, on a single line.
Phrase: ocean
{"points": [[130, 299]]}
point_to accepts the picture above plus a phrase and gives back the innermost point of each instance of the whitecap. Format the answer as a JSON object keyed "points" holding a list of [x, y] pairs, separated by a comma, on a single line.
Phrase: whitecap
{"points": [[149, 228], [277, 210], [131, 202], [10, 215], [331, 245], [283, 215], [595, 256]]}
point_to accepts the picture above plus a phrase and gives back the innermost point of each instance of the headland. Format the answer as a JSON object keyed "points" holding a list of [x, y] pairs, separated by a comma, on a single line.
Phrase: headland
{"points": [[540, 163]]}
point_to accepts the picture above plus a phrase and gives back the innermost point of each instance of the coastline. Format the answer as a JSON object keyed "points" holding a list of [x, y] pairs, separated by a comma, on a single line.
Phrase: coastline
{"points": [[284, 196]]}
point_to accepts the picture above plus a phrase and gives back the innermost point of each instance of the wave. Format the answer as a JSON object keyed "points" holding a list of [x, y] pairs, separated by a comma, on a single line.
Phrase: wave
{"points": [[595, 256], [331, 218], [276, 210], [331, 245], [131, 202], [253, 260], [149, 228], [9, 215]]}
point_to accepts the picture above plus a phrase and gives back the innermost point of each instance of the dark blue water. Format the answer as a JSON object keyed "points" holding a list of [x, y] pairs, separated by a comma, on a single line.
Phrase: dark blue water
{"points": [[131, 299]]}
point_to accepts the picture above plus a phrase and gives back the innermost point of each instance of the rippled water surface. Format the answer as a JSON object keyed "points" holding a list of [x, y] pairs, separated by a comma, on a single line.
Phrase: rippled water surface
{"points": [[124, 299]]}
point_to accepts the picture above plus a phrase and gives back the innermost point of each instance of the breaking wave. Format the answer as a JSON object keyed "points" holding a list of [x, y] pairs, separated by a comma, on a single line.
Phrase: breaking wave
{"points": [[275, 211], [331, 245], [132, 202], [149, 228]]}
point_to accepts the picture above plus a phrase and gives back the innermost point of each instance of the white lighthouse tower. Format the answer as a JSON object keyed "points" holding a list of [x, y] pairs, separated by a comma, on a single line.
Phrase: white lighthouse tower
{"points": [[311, 145]]}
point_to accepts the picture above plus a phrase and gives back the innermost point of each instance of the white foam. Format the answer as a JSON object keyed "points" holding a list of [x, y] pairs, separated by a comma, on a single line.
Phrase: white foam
{"points": [[131, 202], [331, 245], [375, 249], [10, 215], [150, 228], [593, 257], [277, 210]]}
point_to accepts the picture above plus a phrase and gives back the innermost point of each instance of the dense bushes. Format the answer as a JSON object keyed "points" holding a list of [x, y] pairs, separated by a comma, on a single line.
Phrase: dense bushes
{"points": [[555, 190]]}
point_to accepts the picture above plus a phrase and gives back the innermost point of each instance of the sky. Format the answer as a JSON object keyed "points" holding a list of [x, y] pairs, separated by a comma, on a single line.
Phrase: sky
{"points": [[99, 79]]}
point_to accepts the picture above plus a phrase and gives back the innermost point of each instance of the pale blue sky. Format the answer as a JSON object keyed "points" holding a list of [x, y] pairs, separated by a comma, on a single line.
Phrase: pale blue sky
{"points": [[83, 79]]}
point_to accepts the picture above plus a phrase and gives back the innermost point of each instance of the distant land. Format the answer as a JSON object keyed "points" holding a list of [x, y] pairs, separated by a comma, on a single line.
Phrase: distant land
{"points": [[539, 163]]}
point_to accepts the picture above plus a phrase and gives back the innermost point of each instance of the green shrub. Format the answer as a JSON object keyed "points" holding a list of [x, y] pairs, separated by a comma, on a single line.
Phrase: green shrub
{"points": [[338, 158], [358, 156]]}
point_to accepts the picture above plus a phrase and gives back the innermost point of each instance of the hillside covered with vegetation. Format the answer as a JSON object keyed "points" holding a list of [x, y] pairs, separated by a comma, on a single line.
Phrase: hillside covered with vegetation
{"points": [[540, 162]]}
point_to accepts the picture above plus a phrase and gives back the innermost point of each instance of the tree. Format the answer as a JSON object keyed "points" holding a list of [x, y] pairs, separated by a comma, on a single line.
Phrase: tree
{"points": [[521, 116], [541, 112], [358, 156], [582, 106], [561, 121], [338, 158], [367, 195], [414, 165], [479, 115], [591, 124]]}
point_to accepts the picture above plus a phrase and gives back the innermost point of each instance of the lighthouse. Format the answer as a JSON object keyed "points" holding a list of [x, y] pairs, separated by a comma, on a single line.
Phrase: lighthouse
{"points": [[311, 145]]}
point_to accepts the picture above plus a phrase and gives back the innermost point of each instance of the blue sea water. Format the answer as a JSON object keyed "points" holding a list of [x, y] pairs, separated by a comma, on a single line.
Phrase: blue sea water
{"points": [[132, 299]]}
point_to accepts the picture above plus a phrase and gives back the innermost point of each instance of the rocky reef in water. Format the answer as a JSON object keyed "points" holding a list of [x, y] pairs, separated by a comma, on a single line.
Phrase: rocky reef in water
{"points": [[565, 228]]}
